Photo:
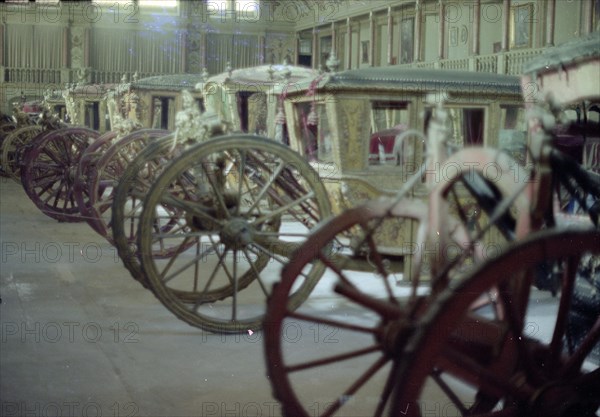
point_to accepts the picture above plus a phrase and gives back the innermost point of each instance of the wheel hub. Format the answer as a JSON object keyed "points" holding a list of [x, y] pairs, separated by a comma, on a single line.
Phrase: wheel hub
{"points": [[237, 233], [394, 336]]}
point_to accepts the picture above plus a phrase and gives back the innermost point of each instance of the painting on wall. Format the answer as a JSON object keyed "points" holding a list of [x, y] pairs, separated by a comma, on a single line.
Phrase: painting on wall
{"points": [[521, 25], [407, 28], [364, 52]]}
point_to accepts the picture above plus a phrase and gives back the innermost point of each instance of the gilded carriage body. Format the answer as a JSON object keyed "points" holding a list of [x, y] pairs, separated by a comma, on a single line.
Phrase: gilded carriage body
{"points": [[359, 130], [244, 98]]}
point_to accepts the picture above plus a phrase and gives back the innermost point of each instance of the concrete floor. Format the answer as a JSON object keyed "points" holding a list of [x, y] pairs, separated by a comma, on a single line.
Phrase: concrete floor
{"points": [[79, 337]]}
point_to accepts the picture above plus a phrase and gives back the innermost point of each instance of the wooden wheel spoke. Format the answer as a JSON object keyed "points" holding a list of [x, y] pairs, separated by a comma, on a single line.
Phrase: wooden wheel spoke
{"points": [[361, 381], [383, 308], [264, 250], [332, 359], [583, 350], [568, 285], [202, 295], [335, 268], [256, 272], [331, 323], [241, 174], [217, 189], [58, 192], [53, 156], [378, 260], [266, 186], [436, 375], [230, 277], [515, 325], [282, 209], [188, 206], [180, 248], [235, 287], [488, 380], [387, 390]]}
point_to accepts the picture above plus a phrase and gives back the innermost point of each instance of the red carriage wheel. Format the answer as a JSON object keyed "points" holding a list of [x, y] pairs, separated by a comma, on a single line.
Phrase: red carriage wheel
{"points": [[49, 169], [478, 363], [305, 347], [108, 170], [86, 167]]}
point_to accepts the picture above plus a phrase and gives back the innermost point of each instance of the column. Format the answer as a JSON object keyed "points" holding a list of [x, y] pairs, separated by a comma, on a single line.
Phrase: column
{"points": [[65, 57], [588, 18], [349, 44], [296, 50], [203, 63], [183, 51], [372, 44], [86, 47], [476, 26], [505, 24], [550, 22], [333, 40], [442, 28], [315, 52], [418, 18], [390, 27], [262, 42], [1, 47]]}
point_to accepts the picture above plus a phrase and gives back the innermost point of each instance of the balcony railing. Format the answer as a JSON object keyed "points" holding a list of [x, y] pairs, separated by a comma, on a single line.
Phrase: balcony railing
{"points": [[114, 77], [32, 75], [510, 62]]}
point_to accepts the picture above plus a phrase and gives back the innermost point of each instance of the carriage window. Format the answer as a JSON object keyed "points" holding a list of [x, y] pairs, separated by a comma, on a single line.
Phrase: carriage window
{"points": [[388, 120], [465, 126], [315, 132], [163, 113], [253, 112], [513, 132]]}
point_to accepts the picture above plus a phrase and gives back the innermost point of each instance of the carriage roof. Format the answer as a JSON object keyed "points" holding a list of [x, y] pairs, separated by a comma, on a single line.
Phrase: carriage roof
{"points": [[395, 78], [265, 75], [173, 82]]}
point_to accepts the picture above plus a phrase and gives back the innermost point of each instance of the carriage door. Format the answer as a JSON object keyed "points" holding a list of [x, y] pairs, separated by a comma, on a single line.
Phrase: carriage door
{"points": [[163, 113], [92, 115], [252, 110]]}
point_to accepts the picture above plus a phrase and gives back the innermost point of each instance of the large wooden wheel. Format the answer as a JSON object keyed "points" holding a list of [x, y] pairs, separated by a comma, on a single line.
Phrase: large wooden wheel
{"points": [[106, 173], [86, 167], [481, 363], [6, 127], [13, 146], [244, 203], [133, 186], [49, 170], [304, 347], [449, 238]]}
